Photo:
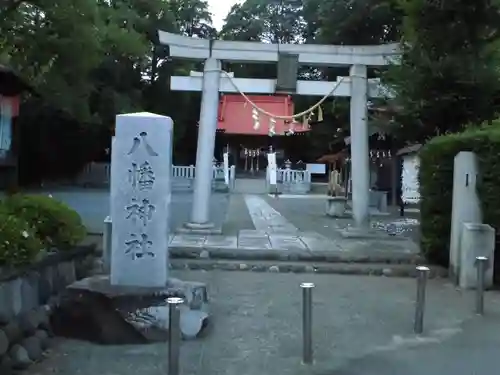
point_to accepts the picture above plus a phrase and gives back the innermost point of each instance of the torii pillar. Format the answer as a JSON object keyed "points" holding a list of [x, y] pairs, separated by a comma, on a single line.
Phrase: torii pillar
{"points": [[360, 160], [200, 212]]}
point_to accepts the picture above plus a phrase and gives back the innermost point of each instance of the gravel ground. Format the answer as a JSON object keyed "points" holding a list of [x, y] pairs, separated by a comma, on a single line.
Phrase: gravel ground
{"points": [[361, 326]]}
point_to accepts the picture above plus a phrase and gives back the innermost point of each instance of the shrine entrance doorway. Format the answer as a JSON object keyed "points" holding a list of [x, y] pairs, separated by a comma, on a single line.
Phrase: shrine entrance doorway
{"points": [[249, 145]]}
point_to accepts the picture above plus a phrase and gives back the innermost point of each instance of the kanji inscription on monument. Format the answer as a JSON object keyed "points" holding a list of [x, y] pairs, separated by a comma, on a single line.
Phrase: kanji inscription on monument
{"points": [[140, 210], [140, 197], [141, 176]]}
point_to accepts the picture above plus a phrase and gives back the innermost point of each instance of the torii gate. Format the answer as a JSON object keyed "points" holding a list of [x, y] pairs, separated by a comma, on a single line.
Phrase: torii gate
{"points": [[213, 81]]}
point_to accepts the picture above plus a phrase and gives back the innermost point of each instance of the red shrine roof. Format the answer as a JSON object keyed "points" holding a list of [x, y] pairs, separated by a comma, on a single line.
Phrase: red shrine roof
{"points": [[235, 114]]}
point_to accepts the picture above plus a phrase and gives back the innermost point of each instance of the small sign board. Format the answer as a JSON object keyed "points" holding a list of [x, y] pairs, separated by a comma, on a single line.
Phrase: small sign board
{"points": [[226, 168], [315, 168], [272, 168]]}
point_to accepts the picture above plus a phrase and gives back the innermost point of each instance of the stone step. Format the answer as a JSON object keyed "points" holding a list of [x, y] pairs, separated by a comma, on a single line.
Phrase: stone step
{"points": [[182, 184], [370, 269], [305, 256]]}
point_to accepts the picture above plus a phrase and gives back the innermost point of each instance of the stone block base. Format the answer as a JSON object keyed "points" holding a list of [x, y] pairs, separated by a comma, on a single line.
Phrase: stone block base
{"points": [[476, 240], [336, 206], [195, 228], [94, 310]]}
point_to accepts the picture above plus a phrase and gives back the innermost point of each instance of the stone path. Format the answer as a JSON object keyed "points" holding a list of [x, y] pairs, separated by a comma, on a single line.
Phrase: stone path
{"points": [[266, 218], [255, 239], [361, 326], [303, 245], [275, 233]]}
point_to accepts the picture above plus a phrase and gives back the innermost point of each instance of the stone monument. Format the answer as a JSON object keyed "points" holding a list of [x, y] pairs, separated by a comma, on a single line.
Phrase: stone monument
{"points": [[466, 207], [129, 305], [141, 162]]}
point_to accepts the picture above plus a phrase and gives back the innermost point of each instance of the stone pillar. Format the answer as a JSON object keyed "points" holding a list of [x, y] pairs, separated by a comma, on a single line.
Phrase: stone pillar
{"points": [[141, 172], [466, 207], [200, 215], [359, 146]]}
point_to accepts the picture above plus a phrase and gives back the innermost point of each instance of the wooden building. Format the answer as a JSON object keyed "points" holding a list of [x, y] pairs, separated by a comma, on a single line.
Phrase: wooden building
{"points": [[248, 145]]}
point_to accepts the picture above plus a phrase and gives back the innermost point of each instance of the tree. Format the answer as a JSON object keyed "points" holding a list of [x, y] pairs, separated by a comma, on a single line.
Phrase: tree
{"points": [[275, 21], [88, 60], [352, 22], [448, 74]]}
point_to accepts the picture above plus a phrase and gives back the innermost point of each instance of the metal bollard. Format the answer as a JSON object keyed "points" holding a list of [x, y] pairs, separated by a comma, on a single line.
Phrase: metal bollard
{"points": [[307, 347], [481, 264], [422, 275], [174, 334]]}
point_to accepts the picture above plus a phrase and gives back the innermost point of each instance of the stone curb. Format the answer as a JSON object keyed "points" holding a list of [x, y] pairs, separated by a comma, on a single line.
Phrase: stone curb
{"points": [[406, 270], [24, 340], [330, 256]]}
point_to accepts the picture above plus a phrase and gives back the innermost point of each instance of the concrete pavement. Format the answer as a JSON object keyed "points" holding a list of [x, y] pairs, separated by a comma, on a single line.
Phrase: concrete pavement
{"points": [[93, 205], [284, 237]]}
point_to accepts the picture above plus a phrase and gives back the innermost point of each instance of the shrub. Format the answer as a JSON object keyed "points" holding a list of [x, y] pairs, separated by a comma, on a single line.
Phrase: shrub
{"points": [[56, 224], [436, 185], [19, 244]]}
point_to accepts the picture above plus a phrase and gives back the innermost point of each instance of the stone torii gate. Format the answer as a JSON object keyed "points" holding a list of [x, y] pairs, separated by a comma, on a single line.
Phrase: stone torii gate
{"points": [[214, 80]]}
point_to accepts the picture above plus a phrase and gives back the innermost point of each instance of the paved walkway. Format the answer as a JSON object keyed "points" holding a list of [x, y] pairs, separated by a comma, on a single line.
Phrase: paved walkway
{"points": [[251, 221], [272, 231], [361, 326], [298, 241], [308, 214], [266, 218], [255, 239], [250, 186]]}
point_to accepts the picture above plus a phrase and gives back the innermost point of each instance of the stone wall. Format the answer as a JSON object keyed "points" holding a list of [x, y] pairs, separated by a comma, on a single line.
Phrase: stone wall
{"points": [[27, 297]]}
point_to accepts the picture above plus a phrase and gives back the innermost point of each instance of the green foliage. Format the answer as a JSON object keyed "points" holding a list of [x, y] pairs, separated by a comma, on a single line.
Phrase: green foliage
{"points": [[18, 243], [436, 184], [79, 53], [56, 224], [358, 22], [272, 21], [447, 76], [88, 60]]}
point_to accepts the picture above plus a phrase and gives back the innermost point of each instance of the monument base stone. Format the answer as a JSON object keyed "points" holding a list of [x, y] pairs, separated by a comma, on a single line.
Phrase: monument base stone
{"points": [[94, 310], [197, 228], [336, 207]]}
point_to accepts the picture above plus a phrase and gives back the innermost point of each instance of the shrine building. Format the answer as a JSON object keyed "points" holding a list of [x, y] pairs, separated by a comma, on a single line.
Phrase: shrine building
{"points": [[249, 142]]}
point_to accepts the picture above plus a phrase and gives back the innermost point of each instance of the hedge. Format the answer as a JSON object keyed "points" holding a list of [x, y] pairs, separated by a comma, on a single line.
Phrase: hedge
{"points": [[56, 224], [436, 185], [19, 244]]}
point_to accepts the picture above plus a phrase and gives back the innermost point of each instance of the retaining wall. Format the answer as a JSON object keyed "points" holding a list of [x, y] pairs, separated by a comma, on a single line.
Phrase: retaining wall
{"points": [[27, 297]]}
